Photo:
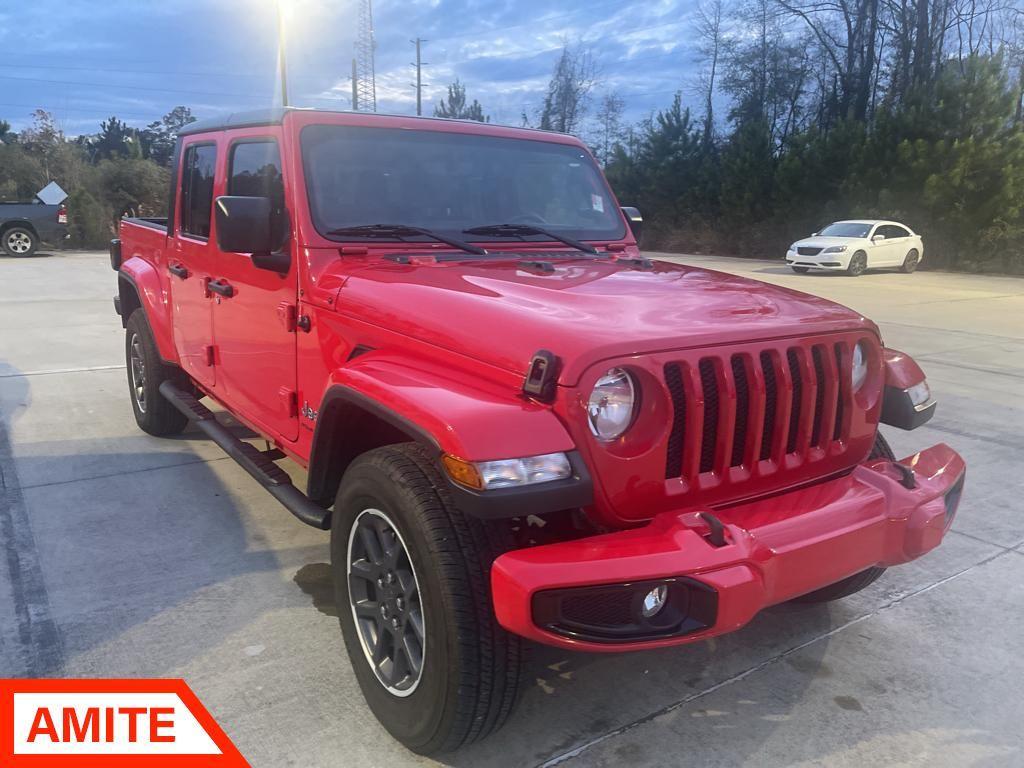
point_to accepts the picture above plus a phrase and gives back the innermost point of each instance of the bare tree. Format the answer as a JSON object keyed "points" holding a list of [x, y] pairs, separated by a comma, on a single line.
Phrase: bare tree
{"points": [[568, 97], [609, 125], [711, 31]]}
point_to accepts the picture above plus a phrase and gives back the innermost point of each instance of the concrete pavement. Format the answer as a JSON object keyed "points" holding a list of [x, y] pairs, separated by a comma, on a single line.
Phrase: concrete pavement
{"points": [[126, 555]]}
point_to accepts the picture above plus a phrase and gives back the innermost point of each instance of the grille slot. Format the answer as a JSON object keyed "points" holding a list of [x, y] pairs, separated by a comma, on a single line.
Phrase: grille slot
{"points": [[792, 357], [841, 390], [674, 381], [805, 250], [739, 442], [788, 400], [709, 387], [819, 396]]}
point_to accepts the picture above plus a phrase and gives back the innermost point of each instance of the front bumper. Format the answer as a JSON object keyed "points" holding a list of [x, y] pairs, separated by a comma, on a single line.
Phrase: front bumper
{"points": [[774, 549], [836, 261]]}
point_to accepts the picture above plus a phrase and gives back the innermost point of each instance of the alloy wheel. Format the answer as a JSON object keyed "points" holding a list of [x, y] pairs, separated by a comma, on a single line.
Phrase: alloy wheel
{"points": [[19, 242], [137, 370], [384, 596]]}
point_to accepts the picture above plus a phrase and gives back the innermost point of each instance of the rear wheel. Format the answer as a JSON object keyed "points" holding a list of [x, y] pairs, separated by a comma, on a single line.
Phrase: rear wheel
{"points": [[858, 581], [801, 270], [858, 264], [146, 372], [910, 262], [412, 583], [20, 241]]}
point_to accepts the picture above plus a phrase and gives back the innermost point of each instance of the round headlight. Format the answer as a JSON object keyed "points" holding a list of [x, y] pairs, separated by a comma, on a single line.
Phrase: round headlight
{"points": [[610, 409], [859, 370]]}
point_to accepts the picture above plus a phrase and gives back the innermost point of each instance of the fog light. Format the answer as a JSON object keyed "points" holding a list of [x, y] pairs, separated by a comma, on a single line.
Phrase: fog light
{"points": [[654, 601], [920, 395]]}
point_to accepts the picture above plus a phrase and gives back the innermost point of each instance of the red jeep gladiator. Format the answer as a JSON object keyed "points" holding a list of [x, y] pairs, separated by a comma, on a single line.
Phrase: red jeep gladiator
{"points": [[514, 425]]}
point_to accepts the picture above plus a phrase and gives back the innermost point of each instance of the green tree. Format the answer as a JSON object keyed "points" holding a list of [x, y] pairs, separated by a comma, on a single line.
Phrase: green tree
{"points": [[159, 136], [457, 106]]}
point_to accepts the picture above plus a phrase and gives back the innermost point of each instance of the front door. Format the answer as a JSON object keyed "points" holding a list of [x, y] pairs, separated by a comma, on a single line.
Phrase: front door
{"points": [[189, 260], [254, 326]]}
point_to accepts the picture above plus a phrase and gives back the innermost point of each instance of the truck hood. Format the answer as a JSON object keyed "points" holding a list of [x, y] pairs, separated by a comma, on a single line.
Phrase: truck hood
{"points": [[502, 311]]}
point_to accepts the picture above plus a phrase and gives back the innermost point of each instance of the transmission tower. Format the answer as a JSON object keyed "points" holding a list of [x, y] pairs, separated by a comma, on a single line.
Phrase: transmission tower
{"points": [[365, 85]]}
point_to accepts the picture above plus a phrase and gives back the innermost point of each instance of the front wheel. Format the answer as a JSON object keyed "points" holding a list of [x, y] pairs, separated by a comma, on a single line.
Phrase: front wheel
{"points": [[858, 264], [20, 241], [146, 371], [412, 585], [857, 582]]}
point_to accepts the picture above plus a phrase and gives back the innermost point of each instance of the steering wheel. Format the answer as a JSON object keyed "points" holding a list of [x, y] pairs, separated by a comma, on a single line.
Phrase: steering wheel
{"points": [[528, 218]]}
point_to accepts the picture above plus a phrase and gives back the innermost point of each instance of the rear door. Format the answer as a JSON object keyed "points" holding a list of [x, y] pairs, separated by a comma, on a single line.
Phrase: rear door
{"points": [[190, 258], [254, 326], [899, 243]]}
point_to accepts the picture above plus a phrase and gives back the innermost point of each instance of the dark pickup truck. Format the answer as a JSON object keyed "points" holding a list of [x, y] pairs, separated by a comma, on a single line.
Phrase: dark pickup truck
{"points": [[24, 225]]}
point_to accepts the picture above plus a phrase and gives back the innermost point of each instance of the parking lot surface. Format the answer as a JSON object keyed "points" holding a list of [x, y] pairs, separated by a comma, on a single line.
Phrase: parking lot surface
{"points": [[127, 555]]}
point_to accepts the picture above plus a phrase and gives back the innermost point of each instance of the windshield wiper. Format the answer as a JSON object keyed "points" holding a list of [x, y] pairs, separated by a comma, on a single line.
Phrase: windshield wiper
{"points": [[521, 230], [402, 231]]}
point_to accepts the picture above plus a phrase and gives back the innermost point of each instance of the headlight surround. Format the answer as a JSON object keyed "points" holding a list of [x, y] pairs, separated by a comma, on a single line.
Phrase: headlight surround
{"points": [[509, 473], [859, 367], [835, 249], [611, 407]]}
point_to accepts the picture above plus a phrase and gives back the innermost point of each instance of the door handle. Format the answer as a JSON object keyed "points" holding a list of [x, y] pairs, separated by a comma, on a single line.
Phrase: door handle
{"points": [[221, 288], [178, 271]]}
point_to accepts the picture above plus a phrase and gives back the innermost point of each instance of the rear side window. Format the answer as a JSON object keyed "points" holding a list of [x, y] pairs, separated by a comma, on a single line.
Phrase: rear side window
{"points": [[255, 171], [197, 189], [895, 232]]}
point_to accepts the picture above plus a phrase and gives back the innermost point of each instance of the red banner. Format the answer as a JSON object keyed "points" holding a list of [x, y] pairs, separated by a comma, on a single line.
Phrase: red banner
{"points": [[107, 724]]}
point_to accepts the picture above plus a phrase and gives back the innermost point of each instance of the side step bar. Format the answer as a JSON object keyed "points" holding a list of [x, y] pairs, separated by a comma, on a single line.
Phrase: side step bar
{"points": [[250, 458]]}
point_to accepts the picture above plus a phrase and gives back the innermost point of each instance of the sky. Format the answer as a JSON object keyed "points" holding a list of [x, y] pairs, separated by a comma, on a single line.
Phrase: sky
{"points": [[87, 60]]}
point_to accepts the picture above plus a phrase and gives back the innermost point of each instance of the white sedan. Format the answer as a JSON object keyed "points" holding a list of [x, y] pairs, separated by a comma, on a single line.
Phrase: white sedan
{"points": [[854, 246]]}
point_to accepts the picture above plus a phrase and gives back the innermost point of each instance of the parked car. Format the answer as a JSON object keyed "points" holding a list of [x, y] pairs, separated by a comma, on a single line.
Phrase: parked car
{"points": [[514, 425], [23, 226], [855, 246]]}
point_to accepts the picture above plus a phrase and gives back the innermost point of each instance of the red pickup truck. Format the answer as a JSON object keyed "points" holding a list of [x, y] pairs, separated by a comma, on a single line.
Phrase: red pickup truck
{"points": [[515, 426]]}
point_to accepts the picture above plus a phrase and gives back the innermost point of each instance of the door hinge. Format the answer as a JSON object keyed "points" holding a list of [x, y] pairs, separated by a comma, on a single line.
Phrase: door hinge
{"points": [[211, 354], [291, 402], [287, 313]]}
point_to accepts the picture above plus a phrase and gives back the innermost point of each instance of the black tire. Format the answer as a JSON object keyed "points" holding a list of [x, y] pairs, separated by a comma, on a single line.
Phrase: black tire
{"points": [[858, 264], [470, 669], [858, 581], [146, 371], [20, 241], [801, 270], [910, 262]]}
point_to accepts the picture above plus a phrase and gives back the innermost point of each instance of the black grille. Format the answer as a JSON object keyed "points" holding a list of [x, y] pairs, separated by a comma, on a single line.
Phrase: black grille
{"points": [[674, 381], [819, 395], [607, 608], [770, 385], [837, 432], [798, 389], [739, 441], [771, 401], [709, 385], [804, 250]]}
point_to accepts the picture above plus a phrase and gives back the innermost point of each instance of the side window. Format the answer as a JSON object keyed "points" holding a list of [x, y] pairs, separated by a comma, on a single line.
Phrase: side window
{"points": [[197, 189], [898, 232], [882, 230], [255, 171]]}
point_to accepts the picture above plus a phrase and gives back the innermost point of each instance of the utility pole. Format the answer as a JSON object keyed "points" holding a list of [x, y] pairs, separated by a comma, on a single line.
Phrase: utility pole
{"points": [[419, 64], [281, 57], [355, 88]]}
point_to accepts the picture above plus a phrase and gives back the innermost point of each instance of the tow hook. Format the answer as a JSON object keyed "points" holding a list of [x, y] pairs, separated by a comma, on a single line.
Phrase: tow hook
{"points": [[907, 479], [717, 534]]}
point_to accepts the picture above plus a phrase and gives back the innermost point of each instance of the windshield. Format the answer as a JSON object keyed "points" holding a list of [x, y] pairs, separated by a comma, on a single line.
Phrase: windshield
{"points": [[450, 182], [846, 229]]}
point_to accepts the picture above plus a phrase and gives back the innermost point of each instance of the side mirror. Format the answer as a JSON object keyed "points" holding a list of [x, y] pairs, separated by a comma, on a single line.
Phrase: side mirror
{"points": [[877, 238], [636, 221], [244, 226]]}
